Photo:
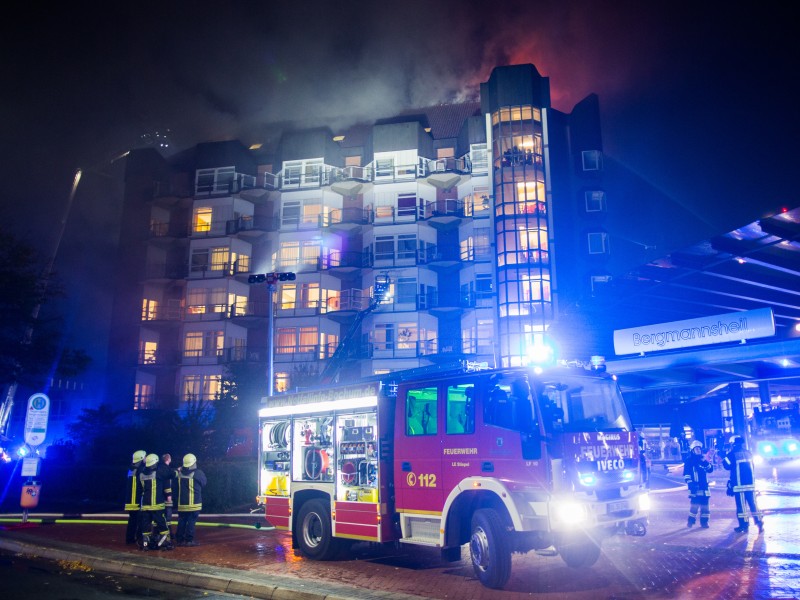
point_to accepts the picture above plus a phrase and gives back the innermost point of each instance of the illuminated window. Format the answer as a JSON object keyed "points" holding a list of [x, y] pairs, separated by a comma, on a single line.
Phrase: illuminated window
{"points": [[352, 161], [143, 395], [202, 220], [282, 381], [193, 344], [421, 411], [219, 259], [311, 252], [460, 409], [149, 309], [407, 336], [479, 157], [289, 254], [147, 352], [201, 388], [288, 299]]}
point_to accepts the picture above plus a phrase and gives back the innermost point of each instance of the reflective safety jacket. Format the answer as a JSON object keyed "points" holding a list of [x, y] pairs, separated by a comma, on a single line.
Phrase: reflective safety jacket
{"points": [[133, 488], [695, 473], [152, 489], [190, 489], [739, 462]]}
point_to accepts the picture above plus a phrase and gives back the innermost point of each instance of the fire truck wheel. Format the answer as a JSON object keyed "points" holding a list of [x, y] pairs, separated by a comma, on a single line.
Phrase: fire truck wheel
{"points": [[489, 549], [313, 531], [579, 551]]}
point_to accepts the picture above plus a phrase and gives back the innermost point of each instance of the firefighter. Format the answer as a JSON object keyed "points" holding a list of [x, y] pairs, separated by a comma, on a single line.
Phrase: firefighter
{"points": [[154, 481], [191, 482], [695, 472], [133, 499], [742, 484]]}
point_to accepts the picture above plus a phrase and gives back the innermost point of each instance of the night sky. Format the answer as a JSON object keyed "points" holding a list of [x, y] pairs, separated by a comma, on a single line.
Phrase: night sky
{"points": [[696, 97]]}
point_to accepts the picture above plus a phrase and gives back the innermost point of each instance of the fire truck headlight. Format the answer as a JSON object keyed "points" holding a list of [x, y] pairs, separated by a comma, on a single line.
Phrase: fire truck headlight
{"points": [[569, 512], [791, 447], [627, 475], [758, 459], [588, 478], [644, 502]]}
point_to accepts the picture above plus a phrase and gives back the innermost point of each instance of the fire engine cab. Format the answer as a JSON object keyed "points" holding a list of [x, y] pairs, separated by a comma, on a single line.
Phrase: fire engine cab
{"points": [[505, 461]]}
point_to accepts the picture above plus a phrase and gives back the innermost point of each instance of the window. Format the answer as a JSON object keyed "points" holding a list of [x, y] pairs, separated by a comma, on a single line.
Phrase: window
{"points": [[406, 290], [205, 344], [193, 344], [407, 246], [298, 173], [143, 395], [214, 181], [383, 336], [407, 336], [479, 157], [201, 388], [289, 254], [311, 252], [592, 160], [384, 167], [598, 242], [509, 404], [219, 259], [407, 205], [199, 260], [421, 411], [202, 220], [147, 352], [384, 247], [291, 214], [460, 409], [149, 309], [595, 201]]}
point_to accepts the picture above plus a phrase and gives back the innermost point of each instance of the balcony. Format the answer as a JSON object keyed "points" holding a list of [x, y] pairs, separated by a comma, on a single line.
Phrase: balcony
{"points": [[164, 272], [225, 184], [346, 218], [219, 271], [252, 224], [336, 260]]}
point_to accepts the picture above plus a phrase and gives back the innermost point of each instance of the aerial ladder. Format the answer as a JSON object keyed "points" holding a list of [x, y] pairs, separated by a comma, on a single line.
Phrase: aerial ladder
{"points": [[343, 351]]}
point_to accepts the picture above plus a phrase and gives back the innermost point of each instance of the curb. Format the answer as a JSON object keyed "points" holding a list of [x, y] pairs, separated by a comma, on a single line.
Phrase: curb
{"points": [[204, 577]]}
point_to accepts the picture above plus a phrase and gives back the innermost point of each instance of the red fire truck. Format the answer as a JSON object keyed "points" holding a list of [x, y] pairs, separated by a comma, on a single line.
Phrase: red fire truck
{"points": [[506, 461]]}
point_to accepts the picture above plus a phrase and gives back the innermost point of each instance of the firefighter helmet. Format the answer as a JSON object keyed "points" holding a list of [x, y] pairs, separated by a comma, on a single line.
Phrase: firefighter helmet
{"points": [[138, 456], [150, 460], [695, 444], [189, 460]]}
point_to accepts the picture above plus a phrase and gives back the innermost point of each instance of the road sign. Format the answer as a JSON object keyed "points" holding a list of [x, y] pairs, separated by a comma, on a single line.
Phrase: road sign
{"points": [[36, 419]]}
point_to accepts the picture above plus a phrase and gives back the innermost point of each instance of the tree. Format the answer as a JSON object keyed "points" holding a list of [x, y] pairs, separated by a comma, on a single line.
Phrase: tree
{"points": [[30, 345], [236, 408]]}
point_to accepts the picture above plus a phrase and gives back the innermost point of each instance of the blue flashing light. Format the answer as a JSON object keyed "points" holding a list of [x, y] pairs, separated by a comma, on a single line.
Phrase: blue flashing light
{"points": [[791, 447], [588, 478], [22, 451], [767, 449], [627, 475], [540, 353]]}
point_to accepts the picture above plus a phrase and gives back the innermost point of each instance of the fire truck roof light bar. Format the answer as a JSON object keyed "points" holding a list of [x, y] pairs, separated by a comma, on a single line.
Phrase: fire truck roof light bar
{"points": [[317, 407]]}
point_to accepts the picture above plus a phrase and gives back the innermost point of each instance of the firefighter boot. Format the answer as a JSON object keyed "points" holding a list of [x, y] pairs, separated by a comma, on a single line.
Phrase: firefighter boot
{"points": [[691, 521], [146, 542], [164, 542], [704, 522]]}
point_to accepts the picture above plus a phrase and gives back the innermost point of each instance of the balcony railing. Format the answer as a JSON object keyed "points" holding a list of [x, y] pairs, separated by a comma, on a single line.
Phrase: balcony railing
{"points": [[253, 223], [227, 269], [356, 216], [164, 271], [225, 185], [336, 259]]}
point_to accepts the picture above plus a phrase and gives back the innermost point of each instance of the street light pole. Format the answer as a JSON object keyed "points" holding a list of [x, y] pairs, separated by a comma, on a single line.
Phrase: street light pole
{"points": [[270, 341]]}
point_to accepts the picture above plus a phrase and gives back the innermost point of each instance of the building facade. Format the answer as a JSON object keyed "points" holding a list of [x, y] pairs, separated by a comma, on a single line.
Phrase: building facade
{"points": [[486, 220]]}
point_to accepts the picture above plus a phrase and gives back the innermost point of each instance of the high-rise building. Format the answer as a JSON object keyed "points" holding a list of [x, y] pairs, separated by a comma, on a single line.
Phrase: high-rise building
{"points": [[485, 220]]}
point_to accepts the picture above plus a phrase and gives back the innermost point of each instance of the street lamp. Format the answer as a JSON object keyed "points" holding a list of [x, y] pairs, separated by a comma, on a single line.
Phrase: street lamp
{"points": [[270, 279]]}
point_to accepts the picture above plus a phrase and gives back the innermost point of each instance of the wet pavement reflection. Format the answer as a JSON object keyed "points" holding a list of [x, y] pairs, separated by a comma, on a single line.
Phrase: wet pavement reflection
{"points": [[672, 561]]}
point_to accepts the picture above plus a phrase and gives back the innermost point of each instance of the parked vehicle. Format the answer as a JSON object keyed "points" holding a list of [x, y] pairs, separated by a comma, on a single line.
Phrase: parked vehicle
{"points": [[506, 461]]}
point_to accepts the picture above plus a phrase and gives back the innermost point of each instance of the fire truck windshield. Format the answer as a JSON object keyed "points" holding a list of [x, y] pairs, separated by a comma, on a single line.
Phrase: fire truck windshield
{"points": [[582, 404]]}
